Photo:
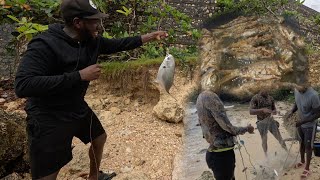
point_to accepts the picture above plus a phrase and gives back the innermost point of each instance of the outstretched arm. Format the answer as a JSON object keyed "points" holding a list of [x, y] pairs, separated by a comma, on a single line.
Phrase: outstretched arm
{"points": [[158, 35], [109, 46]]}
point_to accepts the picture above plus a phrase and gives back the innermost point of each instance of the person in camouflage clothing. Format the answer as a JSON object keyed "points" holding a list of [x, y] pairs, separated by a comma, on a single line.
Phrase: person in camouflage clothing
{"points": [[219, 133], [262, 105]]}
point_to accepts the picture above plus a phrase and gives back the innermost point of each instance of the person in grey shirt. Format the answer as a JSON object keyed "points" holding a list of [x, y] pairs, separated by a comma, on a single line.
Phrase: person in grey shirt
{"points": [[307, 105]]}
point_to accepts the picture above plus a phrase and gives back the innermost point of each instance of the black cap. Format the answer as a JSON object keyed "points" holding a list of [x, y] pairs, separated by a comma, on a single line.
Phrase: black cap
{"points": [[80, 8]]}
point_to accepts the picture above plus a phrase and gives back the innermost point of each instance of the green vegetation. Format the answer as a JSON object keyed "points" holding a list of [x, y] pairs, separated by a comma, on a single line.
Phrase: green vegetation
{"points": [[129, 18], [116, 68], [26, 28], [258, 7], [283, 95]]}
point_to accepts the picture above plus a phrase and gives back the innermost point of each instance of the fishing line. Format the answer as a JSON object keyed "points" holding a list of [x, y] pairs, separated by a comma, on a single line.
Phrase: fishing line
{"points": [[244, 166], [287, 156], [299, 137], [247, 153]]}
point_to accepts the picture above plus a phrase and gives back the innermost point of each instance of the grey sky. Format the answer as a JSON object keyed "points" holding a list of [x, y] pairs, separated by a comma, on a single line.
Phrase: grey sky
{"points": [[314, 4]]}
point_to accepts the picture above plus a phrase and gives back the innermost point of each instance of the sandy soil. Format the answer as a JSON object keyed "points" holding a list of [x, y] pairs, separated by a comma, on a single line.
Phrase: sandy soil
{"points": [[139, 146]]}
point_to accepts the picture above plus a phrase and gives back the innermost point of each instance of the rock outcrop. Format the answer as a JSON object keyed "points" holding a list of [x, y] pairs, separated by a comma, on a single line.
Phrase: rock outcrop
{"points": [[168, 109]]}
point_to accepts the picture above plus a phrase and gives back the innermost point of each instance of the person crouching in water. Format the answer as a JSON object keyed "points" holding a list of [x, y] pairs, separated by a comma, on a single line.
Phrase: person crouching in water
{"points": [[219, 133], [262, 105]]}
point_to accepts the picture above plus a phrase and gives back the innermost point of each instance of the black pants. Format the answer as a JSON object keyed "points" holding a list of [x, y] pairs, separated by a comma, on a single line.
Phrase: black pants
{"points": [[222, 164], [50, 140]]}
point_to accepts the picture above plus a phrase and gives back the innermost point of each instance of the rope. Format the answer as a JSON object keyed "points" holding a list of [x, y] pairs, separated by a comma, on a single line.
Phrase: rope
{"points": [[248, 155]]}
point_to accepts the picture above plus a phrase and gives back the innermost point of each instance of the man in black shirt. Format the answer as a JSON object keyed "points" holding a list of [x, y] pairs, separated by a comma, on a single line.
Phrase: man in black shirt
{"points": [[54, 75]]}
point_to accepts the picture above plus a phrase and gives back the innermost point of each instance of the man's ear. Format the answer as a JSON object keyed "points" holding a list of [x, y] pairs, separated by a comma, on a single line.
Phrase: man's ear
{"points": [[77, 23]]}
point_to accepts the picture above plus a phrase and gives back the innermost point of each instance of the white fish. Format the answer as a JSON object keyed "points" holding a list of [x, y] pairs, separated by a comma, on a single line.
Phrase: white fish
{"points": [[166, 73]]}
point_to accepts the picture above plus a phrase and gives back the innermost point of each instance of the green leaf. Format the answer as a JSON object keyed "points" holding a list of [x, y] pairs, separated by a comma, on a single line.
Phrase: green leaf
{"points": [[122, 12], [125, 34], [125, 9], [22, 29], [31, 31], [106, 35], [24, 20], [13, 18], [40, 27]]}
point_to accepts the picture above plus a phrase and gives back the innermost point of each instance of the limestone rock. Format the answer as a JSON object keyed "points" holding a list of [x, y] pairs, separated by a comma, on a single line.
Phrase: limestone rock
{"points": [[168, 109]]}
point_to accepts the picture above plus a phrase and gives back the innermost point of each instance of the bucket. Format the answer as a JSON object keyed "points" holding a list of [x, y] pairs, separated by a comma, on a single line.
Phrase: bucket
{"points": [[316, 149]]}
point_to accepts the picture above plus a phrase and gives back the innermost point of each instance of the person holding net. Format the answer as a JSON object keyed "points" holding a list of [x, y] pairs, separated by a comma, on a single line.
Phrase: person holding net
{"points": [[307, 104], [219, 133], [262, 105]]}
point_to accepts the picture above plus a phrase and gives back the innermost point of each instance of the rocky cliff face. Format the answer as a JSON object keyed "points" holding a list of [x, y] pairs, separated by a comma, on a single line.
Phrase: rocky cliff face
{"points": [[250, 53]]}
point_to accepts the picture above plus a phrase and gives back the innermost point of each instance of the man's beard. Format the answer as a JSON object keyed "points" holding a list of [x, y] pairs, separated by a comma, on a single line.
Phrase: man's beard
{"points": [[85, 34]]}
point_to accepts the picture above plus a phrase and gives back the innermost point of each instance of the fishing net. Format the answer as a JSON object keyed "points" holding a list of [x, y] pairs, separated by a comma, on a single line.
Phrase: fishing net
{"points": [[289, 123]]}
